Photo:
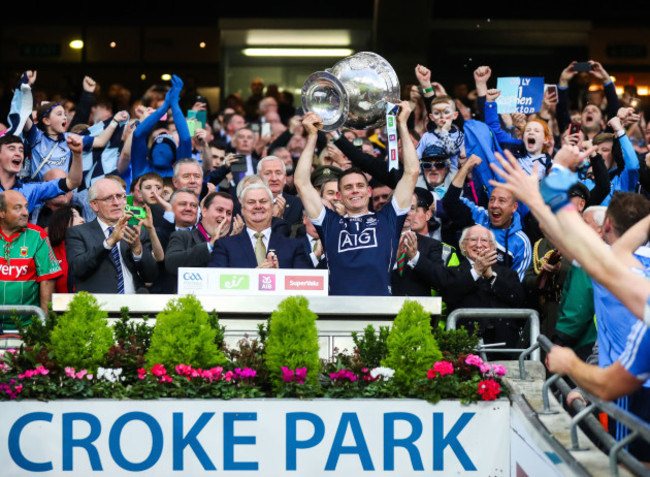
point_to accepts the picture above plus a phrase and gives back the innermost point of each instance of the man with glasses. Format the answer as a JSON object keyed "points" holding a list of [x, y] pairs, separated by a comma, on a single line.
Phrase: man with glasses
{"points": [[107, 255]]}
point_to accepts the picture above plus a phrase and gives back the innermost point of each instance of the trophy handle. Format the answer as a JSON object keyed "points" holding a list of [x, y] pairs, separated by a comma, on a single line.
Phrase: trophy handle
{"points": [[324, 94]]}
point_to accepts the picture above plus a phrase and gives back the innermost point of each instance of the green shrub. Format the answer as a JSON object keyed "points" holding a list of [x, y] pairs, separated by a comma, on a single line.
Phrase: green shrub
{"points": [[292, 341], [82, 336], [183, 335], [412, 349], [457, 342], [372, 347]]}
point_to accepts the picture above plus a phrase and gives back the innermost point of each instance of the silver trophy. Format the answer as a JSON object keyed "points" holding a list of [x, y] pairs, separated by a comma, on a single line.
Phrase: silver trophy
{"points": [[352, 93]]}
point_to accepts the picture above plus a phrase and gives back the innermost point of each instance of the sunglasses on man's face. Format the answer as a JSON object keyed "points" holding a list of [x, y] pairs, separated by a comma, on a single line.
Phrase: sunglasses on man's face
{"points": [[436, 164]]}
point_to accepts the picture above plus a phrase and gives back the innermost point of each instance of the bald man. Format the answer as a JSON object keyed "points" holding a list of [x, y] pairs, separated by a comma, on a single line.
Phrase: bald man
{"points": [[28, 267]]}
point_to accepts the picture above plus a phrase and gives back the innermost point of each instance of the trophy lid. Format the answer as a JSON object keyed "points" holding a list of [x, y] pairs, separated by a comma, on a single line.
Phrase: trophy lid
{"points": [[326, 96]]}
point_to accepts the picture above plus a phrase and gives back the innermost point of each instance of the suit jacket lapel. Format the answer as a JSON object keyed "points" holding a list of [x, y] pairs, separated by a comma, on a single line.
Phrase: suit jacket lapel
{"points": [[246, 247]]}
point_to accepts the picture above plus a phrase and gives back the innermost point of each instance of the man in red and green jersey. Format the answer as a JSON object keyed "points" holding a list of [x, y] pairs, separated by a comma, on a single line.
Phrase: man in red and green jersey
{"points": [[28, 267]]}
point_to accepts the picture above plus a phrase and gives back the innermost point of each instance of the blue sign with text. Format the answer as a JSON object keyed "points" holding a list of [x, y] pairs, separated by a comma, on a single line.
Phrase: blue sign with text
{"points": [[520, 95]]}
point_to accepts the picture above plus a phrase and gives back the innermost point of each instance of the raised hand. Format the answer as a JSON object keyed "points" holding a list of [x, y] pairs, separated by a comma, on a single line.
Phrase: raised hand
{"points": [[492, 95], [75, 143], [423, 74], [89, 84], [567, 74]]}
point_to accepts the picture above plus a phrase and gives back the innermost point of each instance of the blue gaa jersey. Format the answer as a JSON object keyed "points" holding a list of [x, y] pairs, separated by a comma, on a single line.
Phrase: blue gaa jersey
{"points": [[636, 356], [614, 320], [361, 250]]}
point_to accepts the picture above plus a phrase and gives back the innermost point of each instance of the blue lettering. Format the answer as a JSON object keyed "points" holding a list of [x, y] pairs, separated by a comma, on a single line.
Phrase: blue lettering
{"points": [[361, 449], [14, 442], [68, 442], [230, 440], [181, 442], [451, 439], [156, 444], [293, 444], [407, 443]]}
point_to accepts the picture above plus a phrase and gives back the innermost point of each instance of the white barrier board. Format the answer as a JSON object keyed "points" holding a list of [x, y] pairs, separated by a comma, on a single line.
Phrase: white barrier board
{"points": [[252, 281], [269, 437]]}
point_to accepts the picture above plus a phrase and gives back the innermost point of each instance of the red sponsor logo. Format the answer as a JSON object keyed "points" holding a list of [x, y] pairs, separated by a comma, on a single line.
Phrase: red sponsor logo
{"points": [[392, 155], [297, 282]]}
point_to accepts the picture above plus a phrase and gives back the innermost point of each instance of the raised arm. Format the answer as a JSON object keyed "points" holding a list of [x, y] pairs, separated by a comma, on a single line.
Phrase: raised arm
{"points": [[85, 103], [184, 150], [562, 110], [406, 185], [569, 232], [102, 138], [302, 176], [75, 174]]}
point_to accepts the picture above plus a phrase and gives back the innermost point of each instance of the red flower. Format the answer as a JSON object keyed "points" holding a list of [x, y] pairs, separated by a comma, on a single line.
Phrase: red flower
{"points": [[489, 389], [440, 368], [158, 370], [142, 373]]}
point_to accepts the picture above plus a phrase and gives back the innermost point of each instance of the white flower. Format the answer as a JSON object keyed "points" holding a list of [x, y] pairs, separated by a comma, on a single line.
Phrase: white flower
{"points": [[109, 374], [385, 373]]}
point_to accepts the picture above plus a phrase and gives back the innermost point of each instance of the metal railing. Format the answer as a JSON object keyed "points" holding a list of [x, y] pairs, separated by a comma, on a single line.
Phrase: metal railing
{"points": [[495, 313], [584, 416], [23, 310]]}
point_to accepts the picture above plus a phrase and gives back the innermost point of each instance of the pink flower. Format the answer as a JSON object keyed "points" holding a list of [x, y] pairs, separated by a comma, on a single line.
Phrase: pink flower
{"points": [[215, 373], [41, 370], [81, 374], [183, 369], [158, 370], [69, 372], [165, 378], [287, 374], [484, 368], [89, 377], [19, 388], [472, 359], [229, 376], [344, 374], [489, 389], [301, 374], [441, 368], [245, 373], [499, 370], [142, 373]]}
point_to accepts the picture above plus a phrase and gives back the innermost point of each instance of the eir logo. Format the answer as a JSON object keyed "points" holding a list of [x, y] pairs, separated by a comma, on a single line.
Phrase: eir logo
{"points": [[365, 239]]}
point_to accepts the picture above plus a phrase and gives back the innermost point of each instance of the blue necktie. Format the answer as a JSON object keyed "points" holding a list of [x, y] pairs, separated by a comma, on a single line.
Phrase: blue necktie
{"points": [[115, 256]]}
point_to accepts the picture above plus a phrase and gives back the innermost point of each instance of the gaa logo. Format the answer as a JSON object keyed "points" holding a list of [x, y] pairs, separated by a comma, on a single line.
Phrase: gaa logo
{"points": [[192, 276]]}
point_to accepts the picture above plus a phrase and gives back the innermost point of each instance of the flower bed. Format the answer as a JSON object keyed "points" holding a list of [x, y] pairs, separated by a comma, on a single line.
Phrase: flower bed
{"points": [[183, 356]]}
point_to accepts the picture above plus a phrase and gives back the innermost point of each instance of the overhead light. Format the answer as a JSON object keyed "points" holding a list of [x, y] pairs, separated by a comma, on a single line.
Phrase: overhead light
{"points": [[642, 90], [297, 52], [298, 37], [143, 77], [594, 87], [619, 91], [112, 44], [613, 78], [202, 44], [76, 44], [166, 77]]}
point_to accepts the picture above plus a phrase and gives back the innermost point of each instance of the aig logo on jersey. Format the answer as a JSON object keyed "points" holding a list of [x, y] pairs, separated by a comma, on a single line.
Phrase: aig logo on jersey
{"points": [[365, 239]]}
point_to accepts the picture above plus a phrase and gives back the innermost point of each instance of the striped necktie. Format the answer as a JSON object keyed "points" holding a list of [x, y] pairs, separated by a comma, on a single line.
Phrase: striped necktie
{"points": [[115, 256]]}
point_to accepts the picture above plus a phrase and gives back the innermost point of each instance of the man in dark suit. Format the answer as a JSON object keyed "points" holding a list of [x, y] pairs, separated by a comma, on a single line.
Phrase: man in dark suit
{"points": [[481, 282], [417, 248], [257, 246], [286, 206], [107, 255], [192, 248]]}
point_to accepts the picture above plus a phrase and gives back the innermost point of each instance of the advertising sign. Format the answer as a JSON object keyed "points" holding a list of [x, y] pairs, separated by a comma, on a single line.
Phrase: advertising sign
{"points": [[269, 437], [252, 281]]}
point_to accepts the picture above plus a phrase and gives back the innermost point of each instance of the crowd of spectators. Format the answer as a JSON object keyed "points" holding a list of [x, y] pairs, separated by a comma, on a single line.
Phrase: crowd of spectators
{"points": [[258, 184]]}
